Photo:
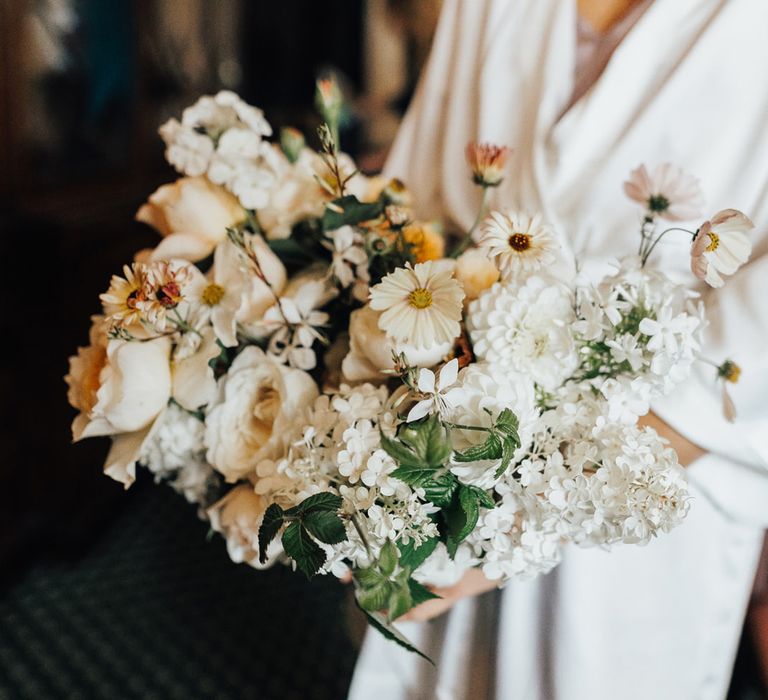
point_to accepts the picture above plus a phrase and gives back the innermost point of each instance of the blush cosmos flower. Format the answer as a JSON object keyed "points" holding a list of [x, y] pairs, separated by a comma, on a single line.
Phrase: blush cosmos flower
{"points": [[721, 246], [123, 302], [421, 304], [668, 192], [519, 242], [487, 162]]}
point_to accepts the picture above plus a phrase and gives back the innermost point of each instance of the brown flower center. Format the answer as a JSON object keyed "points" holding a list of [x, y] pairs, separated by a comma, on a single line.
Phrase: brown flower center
{"points": [[520, 242], [420, 298], [714, 242]]}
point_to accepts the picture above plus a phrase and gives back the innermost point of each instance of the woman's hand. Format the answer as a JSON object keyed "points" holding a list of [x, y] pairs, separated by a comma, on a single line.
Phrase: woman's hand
{"points": [[687, 452], [471, 584]]}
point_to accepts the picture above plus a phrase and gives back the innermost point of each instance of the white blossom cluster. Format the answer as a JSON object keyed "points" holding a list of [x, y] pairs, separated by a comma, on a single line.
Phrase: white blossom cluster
{"points": [[337, 448], [175, 453]]}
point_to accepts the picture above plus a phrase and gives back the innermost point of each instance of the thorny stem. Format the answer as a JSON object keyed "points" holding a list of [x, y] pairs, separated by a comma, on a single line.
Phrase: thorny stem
{"points": [[480, 214]]}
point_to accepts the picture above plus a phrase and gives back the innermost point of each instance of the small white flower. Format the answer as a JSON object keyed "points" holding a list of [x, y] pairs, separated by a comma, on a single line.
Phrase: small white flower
{"points": [[667, 192], [721, 246], [350, 261], [519, 242], [421, 305], [438, 398]]}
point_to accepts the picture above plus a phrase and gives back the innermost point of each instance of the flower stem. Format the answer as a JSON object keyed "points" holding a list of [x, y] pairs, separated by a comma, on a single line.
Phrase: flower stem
{"points": [[465, 242], [647, 253], [461, 426]]}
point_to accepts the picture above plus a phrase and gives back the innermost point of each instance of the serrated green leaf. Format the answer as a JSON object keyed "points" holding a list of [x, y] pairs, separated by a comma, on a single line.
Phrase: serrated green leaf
{"points": [[508, 448], [270, 526], [428, 439], [483, 497], [375, 598], [419, 593], [412, 557], [468, 500], [368, 577], [413, 476], [490, 449], [324, 501], [325, 526], [300, 547], [507, 422], [440, 490], [388, 557], [402, 454], [380, 623], [348, 211], [399, 601]]}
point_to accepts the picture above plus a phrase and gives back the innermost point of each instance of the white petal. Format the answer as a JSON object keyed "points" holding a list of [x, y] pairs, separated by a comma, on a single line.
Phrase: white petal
{"points": [[420, 410], [448, 374], [426, 381]]}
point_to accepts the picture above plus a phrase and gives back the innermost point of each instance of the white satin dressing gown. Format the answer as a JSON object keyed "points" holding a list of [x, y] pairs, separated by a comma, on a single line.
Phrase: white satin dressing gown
{"points": [[687, 84]]}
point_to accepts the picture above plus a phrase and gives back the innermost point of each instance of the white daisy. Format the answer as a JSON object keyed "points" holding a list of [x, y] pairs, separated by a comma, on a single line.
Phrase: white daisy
{"points": [[421, 304], [520, 243], [721, 246]]}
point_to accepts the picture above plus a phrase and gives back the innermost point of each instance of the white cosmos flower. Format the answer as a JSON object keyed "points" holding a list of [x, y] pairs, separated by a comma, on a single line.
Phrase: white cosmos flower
{"points": [[521, 243], [438, 398], [721, 246], [668, 192], [421, 304]]}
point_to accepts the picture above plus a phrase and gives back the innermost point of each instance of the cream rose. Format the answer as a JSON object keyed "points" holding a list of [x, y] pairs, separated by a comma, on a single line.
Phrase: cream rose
{"points": [[192, 214], [258, 401], [370, 349], [476, 272], [238, 516]]}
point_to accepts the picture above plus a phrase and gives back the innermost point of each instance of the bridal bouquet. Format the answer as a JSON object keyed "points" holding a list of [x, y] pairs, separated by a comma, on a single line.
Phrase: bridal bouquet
{"points": [[339, 388]]}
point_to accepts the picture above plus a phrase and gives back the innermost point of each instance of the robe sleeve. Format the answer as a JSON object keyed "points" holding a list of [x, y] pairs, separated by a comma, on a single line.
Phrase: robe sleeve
{"points": [[735, 473]]}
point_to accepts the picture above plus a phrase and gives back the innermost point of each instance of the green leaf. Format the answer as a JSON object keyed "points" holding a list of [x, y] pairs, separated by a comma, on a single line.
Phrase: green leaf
{"points": [[270, 526], [490, 449], [380, 623], [413, 476], [429, 441], [420, 594], [507, 422], [376, 597], [324, 526], [412, 557], [388, 558], [368, 577], [289, 250], [468, 500], [483, 497], [400, 601], [508, 448], [440, 490], [324, 501], [402, 454], [298, 545], [349, 211]]}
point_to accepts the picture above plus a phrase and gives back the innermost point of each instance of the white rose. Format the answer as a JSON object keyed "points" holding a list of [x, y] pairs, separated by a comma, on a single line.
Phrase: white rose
{"points": [[119, 388], [258, 401], [370, 349], [238, 516], [192, 214]]}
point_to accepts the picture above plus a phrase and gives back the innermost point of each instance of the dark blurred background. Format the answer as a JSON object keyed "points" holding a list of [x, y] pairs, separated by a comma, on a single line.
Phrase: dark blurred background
{"points": [[103, 592], [84, 84]]}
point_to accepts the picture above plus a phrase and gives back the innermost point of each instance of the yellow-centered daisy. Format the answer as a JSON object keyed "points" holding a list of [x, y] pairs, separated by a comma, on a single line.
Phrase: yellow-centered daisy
{"points": [[421, 304]]}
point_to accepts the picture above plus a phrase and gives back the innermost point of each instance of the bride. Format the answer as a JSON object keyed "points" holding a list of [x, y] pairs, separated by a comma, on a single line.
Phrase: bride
{"points": [[584, 91]]}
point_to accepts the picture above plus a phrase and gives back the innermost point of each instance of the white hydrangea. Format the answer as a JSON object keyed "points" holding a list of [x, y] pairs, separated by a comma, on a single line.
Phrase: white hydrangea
{"points": [[482, 392], [175, 453], [526, 329], [223, 137]]}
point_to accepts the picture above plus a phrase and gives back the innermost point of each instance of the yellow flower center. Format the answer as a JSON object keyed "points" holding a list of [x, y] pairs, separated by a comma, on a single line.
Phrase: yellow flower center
{"points": [[520, 242], [420, 298], [714, 242], [213, 294]]}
